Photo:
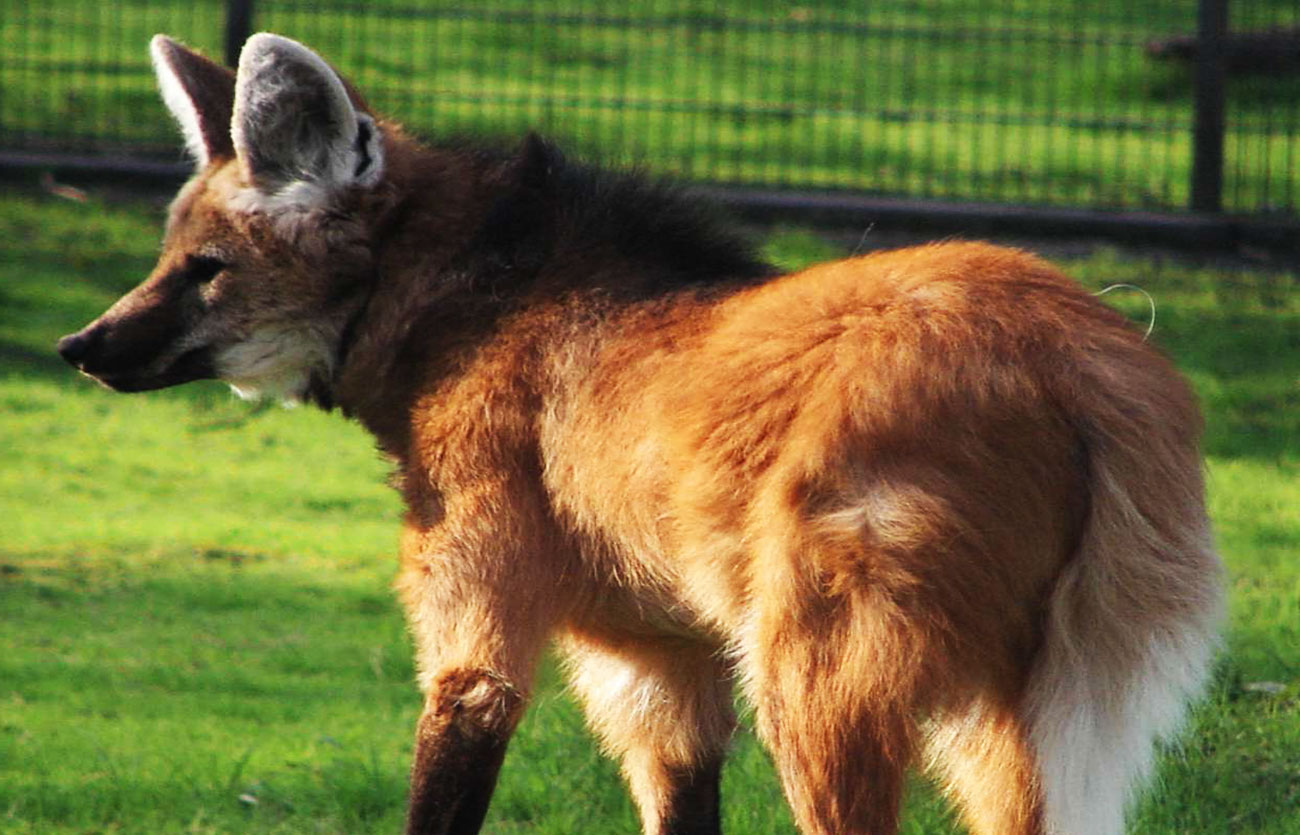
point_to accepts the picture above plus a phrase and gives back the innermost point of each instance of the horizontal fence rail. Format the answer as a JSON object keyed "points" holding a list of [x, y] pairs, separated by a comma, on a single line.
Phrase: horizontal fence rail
{"points": [[1124, 105]]}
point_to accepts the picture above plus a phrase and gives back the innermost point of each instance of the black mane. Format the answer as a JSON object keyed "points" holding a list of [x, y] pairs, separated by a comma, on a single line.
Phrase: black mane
{"points": [[548, 207]]}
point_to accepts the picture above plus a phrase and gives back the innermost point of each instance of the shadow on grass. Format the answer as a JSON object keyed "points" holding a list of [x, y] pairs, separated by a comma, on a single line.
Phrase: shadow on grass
{"points": [[25, 361]]}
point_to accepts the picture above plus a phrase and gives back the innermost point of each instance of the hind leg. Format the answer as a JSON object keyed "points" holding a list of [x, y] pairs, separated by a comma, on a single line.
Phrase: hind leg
{"points": [[984, 757], [841, 775], [664, 709], [833, 705], [842, 770]]}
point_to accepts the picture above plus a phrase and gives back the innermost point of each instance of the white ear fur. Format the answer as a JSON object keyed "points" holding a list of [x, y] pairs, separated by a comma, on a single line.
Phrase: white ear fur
{"points": [[177, 100], [296, 133], [198, 93]]}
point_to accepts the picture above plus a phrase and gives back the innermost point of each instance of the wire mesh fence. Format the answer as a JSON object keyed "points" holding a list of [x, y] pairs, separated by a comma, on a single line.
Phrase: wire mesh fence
{"points": [[1081, 103]]}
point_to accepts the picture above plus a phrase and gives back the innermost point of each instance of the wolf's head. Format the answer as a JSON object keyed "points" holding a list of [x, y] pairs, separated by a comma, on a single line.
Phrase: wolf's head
{"points": [[266, 259]]}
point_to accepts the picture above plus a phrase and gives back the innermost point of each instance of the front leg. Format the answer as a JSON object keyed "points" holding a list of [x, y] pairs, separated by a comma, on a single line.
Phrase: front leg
{"points": [[460, 742], [481, 600]]}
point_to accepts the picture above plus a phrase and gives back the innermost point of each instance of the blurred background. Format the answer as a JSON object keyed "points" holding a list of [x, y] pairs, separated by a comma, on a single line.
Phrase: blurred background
{"points": [[1155, 105]]}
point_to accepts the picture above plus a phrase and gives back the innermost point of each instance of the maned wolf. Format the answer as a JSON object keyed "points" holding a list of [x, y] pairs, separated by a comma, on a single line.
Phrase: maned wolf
{"points": [[933, 505]]}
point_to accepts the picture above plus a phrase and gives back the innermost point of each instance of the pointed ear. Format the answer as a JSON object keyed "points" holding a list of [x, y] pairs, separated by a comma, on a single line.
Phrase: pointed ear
{"points": [[200, 95], [295, 123]]}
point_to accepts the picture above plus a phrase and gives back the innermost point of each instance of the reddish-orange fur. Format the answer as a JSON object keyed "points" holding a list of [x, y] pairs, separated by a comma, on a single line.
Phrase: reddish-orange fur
{"points": [[871, 491]]}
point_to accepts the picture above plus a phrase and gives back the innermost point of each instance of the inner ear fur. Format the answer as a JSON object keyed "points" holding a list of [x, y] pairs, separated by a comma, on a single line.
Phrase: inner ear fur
{"points": [[200, 94], [295, 120]]}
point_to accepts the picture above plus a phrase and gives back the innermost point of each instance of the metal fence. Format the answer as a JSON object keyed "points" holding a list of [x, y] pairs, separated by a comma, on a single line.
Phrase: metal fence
{"points": [[1097, 104]]}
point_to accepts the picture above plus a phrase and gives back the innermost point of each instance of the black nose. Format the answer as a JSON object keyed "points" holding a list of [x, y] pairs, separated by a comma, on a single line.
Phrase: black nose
{"points": [[75, 346]]}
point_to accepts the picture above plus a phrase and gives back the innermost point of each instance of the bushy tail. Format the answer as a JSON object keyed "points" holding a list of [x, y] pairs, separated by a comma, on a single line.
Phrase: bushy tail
{"points": [[1133, 622]]}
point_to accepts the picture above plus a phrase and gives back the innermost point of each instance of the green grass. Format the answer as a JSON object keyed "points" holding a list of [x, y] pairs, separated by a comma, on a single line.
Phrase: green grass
{"points": [[197, 635], [1030, 101]]}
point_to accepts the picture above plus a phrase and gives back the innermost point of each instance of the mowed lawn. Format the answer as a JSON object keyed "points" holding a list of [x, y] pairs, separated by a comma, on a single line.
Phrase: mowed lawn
{"points": [[197, 634]]}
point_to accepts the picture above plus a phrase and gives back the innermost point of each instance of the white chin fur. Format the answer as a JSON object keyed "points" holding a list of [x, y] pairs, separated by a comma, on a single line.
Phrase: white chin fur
{"points": [[275, 364]]}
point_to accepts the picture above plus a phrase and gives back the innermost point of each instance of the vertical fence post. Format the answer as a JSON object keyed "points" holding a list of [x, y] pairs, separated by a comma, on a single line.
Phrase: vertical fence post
{"points": [[1208, 121], [239, 25]]}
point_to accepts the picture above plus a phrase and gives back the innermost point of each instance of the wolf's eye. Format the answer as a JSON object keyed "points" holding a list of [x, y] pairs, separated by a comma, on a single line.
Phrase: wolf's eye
{"points": [[203, 268]]}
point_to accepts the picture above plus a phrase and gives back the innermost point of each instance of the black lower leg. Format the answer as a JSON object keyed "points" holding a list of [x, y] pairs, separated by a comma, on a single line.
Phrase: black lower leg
{"points": [[693, 801], [460, 743]]}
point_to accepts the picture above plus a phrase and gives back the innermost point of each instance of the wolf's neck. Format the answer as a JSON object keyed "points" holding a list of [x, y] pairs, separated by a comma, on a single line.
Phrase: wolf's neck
{"points": [[390, 351], [470, 239]]}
